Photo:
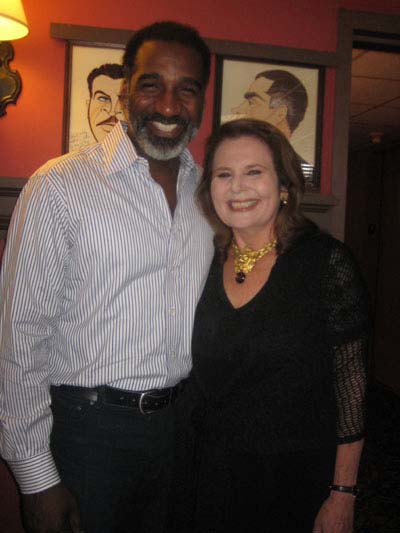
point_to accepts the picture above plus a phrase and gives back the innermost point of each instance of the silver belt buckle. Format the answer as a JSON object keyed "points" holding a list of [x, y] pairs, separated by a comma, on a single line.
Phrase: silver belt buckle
{"points": [[142, 397]]}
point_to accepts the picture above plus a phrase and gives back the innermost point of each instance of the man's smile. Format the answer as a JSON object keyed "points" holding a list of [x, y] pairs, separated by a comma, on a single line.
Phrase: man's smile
{"points": [[162, 129]]}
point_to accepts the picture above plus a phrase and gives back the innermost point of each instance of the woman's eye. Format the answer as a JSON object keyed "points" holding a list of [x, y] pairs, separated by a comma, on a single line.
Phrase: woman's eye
{"points": [[254, 172], [223, 174]]}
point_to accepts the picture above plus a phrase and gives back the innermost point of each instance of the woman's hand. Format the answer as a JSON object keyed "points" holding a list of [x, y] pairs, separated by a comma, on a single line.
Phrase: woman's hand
{"points": [[336, 514]]}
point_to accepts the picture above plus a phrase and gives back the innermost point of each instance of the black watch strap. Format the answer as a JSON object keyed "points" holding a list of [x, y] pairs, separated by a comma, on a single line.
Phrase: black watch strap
{"points": [[343, 488]]}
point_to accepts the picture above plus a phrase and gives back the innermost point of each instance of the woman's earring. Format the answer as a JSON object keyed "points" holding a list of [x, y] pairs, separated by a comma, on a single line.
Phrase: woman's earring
{"points": [[284, 198]]}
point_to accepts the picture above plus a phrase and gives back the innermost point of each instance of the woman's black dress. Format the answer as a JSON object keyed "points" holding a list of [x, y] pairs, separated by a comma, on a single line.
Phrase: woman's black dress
{"points": [[276, 385]]}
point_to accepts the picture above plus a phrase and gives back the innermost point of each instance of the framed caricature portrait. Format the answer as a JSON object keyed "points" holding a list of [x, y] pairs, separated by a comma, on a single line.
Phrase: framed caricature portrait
{"points": [[238, 65], [289, 96], [93, 105]]}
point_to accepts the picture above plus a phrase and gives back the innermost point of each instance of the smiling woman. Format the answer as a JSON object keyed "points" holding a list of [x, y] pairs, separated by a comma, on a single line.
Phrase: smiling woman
{"points": [[279, 344], [269, 162], [245, 190]]}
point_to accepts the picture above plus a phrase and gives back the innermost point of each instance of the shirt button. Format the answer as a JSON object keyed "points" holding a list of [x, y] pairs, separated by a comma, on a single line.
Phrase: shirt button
{"points": [[172, 311], [173, 354]]}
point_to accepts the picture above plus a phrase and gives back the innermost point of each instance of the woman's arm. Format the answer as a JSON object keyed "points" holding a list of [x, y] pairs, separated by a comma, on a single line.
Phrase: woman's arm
{"points": [[337, 512], [348, 320], [347, 461]]}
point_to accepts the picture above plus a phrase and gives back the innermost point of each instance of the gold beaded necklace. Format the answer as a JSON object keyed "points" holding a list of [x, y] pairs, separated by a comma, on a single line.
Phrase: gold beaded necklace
{"points": [[245, 259]]}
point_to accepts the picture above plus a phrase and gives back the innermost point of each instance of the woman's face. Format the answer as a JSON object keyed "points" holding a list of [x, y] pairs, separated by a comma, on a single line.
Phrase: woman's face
{"points": [[245, 189]]}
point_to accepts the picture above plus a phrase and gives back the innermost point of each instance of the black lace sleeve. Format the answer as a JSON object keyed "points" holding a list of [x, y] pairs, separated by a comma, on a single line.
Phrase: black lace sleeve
{"points": [[348, 322]]}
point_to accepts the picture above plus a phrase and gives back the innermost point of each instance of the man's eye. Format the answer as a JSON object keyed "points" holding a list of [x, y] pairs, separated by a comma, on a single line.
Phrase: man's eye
{"points": [[148, 86], [189, 90], [104, 99]]}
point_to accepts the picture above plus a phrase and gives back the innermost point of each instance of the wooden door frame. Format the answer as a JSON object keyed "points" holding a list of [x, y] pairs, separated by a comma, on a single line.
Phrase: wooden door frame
{"points": [[374, 27]]}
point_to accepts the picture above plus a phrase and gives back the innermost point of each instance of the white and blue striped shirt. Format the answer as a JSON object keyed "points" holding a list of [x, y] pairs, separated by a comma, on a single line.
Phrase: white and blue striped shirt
{"points": [[99, 286]]}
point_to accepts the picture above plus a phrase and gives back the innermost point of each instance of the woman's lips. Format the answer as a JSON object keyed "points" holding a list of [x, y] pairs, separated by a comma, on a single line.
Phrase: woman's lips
{"points": [[243, 205]]}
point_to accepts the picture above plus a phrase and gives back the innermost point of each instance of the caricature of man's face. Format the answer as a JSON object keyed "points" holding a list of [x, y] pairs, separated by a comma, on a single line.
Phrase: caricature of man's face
{"points": [[104, 108], [256, 104]]}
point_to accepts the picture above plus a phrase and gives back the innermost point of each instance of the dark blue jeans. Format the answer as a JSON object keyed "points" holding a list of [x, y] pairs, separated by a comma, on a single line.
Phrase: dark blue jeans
{"points": [[117, 462]]}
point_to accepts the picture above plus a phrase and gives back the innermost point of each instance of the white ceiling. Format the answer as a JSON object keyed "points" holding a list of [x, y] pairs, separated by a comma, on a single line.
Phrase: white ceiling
{"points": [[375, 97]]}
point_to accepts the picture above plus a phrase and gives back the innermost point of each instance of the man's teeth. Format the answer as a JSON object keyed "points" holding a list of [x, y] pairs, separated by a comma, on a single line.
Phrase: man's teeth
{"points": [[165, 128], [243, 205]]}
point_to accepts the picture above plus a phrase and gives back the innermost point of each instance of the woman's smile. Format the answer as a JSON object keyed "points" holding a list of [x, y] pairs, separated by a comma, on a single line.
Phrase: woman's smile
{"points": [[242, 205]]}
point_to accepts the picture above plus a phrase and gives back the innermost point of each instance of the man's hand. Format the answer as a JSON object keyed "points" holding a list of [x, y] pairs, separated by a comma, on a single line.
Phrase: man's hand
{"points": [[53, 510], [336, 514]]}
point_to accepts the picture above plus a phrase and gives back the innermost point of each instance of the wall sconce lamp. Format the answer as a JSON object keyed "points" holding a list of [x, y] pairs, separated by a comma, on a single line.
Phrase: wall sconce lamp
{"points": [[13, 25]]}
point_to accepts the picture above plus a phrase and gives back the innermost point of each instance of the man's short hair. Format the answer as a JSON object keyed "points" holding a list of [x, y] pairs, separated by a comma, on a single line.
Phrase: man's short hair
{"points": [[167, 31], [289, 91], [112, 70]]}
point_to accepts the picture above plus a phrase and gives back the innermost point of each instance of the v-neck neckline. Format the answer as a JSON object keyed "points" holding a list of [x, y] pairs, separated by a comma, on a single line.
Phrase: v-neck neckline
{"points": [[252, 300]]}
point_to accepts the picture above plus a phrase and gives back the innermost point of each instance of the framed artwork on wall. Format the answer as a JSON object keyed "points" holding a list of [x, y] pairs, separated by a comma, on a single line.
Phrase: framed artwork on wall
{"points": [[287, 95], [93, 87], [106, 45]]}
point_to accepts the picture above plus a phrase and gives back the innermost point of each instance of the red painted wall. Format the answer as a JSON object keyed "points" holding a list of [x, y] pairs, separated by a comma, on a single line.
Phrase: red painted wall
{"points": [[31, 131]]}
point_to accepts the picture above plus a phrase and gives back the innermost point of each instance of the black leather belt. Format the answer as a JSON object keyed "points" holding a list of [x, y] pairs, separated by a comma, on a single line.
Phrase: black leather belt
{"points": [[146, 402]]}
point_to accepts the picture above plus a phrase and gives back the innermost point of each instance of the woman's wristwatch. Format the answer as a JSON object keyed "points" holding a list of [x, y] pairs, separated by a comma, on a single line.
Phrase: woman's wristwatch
{"points": [[353, 489]]}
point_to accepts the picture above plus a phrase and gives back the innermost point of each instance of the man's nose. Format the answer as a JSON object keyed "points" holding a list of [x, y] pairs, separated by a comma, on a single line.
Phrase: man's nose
{"points": [[168, 104], [117, 108]]}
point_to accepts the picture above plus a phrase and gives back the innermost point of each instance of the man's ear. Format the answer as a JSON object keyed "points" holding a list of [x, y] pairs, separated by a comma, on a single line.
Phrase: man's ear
{"points": [[281, 112]]}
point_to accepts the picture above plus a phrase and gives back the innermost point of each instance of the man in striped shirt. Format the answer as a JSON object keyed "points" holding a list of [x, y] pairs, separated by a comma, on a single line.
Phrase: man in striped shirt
{"points": [[106, 258]]}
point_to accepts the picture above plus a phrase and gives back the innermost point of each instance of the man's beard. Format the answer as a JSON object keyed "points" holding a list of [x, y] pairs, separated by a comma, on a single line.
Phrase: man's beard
{"points": [[161, 148]]}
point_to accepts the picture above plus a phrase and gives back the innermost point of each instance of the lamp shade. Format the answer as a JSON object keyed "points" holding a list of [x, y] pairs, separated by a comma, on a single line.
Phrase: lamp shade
{"points": [[13, 24]]}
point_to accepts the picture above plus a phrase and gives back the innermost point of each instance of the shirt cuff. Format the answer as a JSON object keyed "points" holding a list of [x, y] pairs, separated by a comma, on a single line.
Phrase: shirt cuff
{"points": [[36, 473]]}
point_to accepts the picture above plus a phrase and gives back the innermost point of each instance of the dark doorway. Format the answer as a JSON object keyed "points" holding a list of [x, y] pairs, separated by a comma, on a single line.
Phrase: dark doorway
{"points": [[373, 198]]}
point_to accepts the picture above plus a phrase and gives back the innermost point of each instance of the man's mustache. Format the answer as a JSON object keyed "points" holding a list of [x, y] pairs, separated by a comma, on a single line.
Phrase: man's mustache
{"points": [[110, 121]]}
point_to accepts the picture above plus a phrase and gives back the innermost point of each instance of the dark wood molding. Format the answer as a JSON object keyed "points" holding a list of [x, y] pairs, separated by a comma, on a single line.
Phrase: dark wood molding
{"points": [[318, 203], [10, 189], [94, 36], [375, 23], [90, 34], [11, 186], [349, 23]]}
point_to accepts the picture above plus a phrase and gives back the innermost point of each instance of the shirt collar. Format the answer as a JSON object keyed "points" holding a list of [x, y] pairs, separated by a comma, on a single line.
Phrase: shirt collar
{"points": [[119, 152]]}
